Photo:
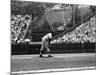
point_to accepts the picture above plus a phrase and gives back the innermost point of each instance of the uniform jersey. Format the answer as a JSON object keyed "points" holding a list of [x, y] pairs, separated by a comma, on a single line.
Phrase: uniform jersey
{"points": [[49, 35]]}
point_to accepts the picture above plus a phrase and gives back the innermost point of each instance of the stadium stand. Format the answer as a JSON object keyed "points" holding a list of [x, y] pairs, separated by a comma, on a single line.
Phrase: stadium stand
{"points": [[86, 32], [19, 27], [78, 37]]}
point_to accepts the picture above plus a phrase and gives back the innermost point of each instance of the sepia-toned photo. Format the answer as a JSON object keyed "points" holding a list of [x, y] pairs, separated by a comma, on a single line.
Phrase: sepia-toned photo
{"points": [[52, 37]]}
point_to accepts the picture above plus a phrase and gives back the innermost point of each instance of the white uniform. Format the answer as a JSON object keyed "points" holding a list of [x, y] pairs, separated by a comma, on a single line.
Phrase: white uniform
{"points": [[49, 35], [45, 41]]}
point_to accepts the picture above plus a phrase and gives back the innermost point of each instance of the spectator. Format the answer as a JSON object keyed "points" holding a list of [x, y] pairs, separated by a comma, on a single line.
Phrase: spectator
{"points": [[86, 32]]}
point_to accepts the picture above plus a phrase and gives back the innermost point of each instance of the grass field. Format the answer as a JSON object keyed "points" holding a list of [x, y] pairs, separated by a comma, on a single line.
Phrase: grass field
{"points": [[26, 64]]}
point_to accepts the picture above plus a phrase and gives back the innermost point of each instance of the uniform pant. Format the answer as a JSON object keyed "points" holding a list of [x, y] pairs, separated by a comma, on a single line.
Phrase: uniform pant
{"points": [[45, 44]]}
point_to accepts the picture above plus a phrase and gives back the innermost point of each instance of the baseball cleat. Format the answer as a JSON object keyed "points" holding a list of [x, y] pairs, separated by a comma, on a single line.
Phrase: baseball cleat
{"points": [[41, 56], [50, 56]]}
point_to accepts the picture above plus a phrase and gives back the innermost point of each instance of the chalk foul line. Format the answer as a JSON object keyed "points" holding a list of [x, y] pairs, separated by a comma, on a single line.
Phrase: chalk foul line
{"points": [[54, 70]]}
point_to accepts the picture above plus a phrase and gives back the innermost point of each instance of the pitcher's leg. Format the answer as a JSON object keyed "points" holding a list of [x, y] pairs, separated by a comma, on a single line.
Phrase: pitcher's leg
{"points": [[48, 49], [41, 49]]}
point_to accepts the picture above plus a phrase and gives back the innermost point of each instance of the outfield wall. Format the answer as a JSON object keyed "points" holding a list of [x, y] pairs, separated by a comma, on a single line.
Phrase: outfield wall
{"points": [[55, 48]]}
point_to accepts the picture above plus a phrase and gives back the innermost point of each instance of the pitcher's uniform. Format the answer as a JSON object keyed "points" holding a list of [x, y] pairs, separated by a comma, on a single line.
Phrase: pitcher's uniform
{"points": [[45, 42]]}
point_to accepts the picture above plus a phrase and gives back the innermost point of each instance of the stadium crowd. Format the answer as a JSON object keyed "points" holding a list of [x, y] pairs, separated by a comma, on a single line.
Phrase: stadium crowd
{"points": [[19, 25], [86, 32]]}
